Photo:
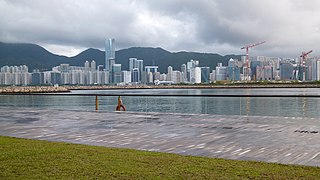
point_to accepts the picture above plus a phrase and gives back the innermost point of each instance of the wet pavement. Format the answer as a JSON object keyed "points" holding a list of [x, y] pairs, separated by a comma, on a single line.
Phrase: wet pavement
{"points": [[287, 140]]}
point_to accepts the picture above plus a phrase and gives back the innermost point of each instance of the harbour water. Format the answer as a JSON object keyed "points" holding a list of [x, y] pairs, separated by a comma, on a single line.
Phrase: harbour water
{"points": [[249, 106]]}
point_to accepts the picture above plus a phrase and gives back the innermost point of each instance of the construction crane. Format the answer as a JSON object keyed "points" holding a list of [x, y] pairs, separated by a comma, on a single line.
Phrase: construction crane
{"points": [[303, 63], [247, 55]]}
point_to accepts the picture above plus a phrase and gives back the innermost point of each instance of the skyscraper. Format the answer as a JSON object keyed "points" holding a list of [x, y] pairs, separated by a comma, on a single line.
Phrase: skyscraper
{"points": [[184, 72], [87, 66], [110, 54], [205, 74], [169, 74], [233, 70], [126, 77], [221, 72], [287, 70], [143, 76], [197, 74], [93, 65], [117, 74], [133, 63], [317, 70], [135, 75], [191, 65]]}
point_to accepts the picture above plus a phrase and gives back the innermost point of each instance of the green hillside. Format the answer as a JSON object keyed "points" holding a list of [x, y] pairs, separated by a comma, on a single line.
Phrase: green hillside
{"points": [[36, 57]]}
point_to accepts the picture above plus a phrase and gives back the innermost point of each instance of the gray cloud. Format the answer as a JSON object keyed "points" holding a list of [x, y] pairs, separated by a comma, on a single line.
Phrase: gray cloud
{"points": [[221, 26]]}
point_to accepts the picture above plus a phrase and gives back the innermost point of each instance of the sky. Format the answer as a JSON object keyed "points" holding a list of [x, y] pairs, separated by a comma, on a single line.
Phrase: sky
{"points": [[67, 27]]}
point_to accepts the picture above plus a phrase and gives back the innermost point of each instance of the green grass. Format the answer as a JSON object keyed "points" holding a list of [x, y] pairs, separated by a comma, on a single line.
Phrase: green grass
{"points": [[33, 159]]}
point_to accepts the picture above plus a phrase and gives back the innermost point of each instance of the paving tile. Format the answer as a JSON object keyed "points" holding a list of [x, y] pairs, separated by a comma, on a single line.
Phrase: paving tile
{"points": [[261, 138]]}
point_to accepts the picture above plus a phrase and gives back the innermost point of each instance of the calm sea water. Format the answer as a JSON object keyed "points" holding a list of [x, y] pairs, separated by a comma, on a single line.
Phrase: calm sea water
{"points": [[287, 106]]}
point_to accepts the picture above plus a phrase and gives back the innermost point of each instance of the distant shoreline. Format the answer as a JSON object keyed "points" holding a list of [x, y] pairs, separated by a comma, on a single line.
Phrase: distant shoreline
{"points": [[32, 89], [59, 89], [195, 87]]}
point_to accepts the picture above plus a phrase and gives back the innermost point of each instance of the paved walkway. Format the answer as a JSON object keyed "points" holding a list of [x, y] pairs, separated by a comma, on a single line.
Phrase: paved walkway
{"points": [[271, 139]]}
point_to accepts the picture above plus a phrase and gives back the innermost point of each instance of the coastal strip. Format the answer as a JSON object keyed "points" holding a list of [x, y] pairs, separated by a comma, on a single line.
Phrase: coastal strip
{"points": [[60, 89], [33, 89], [205, 86]]}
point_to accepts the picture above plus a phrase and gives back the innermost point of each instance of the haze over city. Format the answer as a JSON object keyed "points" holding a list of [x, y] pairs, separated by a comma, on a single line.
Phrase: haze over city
{"points": [[67, 27]]}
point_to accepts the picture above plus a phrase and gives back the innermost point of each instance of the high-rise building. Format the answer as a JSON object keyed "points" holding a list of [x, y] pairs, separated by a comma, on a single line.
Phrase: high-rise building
{"points": [[176, 76], [15, 75], [191, 70], [17, 78], [36, 78], [110, 53], [287, 71], [205, 74], [233, 73], [143, 75], [253, 68], [264, 73], [268, 73], [126, 77], [93, 65], [117, 73], [98, 77], [105, 77], [133, 63], [213, 75], [7, 78], [91, 77], [150, 77], [197, 74], [25, 78], [135, 75], [87, 66], [169, 74], [163, 77], [156, 76], [151, 71], [317, 71], [221, 72], [184, 73], [75, 77], [55, 78], [65, 76]]}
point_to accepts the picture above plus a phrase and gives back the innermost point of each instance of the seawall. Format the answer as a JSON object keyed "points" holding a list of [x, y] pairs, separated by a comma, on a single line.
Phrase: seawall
{"points": [[59, 89], [33, 89]]}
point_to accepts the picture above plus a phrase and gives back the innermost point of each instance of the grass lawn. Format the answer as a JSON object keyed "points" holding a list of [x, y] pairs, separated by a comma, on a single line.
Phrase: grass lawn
{"points": [[34, 159]]}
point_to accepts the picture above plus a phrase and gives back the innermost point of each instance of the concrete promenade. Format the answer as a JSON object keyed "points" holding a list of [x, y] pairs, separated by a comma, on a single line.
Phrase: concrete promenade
{"points": [[284, 140]]}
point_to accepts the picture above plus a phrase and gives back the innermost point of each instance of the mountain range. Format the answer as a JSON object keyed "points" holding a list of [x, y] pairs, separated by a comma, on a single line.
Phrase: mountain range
{"points": [[36, 57]]}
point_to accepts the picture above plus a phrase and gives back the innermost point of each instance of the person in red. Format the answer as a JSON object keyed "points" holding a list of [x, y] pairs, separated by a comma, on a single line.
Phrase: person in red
{"points": [[120, 105]]}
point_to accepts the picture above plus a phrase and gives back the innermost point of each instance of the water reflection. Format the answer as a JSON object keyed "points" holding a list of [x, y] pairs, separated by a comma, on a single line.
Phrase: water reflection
{"points": [[245, 106]]}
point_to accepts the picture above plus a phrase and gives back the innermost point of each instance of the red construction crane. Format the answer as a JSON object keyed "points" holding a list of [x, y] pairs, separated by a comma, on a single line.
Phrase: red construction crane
{"points": [[303, 63], [304, 57], [247, 54]]}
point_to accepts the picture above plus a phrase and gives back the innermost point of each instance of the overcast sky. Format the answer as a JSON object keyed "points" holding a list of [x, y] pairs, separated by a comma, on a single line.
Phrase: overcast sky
{"points": [[214, 26]]}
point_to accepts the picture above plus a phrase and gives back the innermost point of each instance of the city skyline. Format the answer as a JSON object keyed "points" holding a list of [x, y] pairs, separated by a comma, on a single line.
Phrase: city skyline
{"points": [[261, 68], [257, 68], [288, 27]]}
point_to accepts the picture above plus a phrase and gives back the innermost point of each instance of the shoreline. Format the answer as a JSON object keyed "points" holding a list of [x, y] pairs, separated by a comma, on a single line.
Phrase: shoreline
{"points": [[194, 87], [32, 89], [61, 89]]}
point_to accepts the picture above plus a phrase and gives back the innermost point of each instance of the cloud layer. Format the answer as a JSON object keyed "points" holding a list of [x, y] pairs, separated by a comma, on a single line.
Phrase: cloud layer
{"points": [[222, 26]]}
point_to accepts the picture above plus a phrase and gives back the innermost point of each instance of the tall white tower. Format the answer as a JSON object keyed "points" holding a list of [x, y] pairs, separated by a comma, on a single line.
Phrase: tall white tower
{"points": [[110, 53]]}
